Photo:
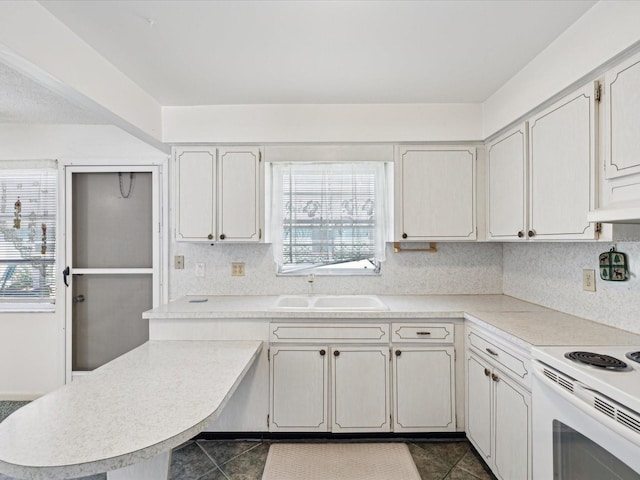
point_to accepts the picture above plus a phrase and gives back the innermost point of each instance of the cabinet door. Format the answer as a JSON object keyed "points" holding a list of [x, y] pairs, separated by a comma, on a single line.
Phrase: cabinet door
{"points": [[195, 183], [622, 119], [507, 186], [479, 411], [435, 193], [512, 429], [360, 389], [424, 394], [298, 389], [239, 194], [562, 168]]}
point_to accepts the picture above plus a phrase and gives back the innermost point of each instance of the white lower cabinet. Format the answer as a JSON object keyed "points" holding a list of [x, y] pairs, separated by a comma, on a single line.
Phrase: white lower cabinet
{"points": [[358, 380], [360, 389], [423, 389], [299, 389], [498, 418]]}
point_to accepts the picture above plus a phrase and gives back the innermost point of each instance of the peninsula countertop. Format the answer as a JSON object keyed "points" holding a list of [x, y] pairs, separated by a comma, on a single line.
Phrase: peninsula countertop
{"points": [[521, 322], [131, 409]]}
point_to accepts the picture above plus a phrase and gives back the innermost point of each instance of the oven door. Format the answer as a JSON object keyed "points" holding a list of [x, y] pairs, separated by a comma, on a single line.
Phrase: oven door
{"points": [[573, 439]]}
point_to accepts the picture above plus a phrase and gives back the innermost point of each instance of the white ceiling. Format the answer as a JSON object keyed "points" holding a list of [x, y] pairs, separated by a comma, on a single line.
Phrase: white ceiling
{"points": [[266, 52]]}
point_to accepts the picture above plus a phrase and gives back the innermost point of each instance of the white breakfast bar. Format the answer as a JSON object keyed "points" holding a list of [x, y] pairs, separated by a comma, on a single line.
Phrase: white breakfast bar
{"points": [[125, 417]]}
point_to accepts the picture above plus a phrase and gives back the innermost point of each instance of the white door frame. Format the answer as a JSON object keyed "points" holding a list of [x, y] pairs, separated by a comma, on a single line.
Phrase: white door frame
{"points": [[158, 170]]}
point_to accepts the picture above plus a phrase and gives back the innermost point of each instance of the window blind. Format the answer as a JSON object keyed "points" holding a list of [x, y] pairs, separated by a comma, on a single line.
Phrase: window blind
{"points": [[328, 214], [28, 207]]}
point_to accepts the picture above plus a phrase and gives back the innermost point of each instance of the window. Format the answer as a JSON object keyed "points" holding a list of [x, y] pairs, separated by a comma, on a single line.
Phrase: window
{"points": [[28, 205], [329, 217]]}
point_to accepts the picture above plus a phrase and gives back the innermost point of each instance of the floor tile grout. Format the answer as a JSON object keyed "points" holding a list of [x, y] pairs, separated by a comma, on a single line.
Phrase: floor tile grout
{"points": [[215, 464]]}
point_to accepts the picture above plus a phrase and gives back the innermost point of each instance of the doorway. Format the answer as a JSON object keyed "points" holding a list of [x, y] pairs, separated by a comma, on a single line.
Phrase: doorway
{"points": [[113, 261]]}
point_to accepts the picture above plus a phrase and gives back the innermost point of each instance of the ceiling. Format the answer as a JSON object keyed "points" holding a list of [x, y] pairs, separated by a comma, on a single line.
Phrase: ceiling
{"points": [[273, 52]]}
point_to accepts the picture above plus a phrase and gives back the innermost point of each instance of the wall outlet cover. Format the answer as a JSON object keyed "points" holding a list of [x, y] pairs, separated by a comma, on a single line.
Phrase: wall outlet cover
{"points": [[589, 280], [178, 262]]}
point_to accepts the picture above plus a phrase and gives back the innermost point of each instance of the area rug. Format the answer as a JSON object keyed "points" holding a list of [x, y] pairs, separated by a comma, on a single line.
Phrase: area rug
{"points": [[340, 461]]}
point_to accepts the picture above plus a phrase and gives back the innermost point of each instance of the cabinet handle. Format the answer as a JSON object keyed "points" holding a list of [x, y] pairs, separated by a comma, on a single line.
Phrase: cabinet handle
{"points": [[532, 233], [491, 352], [494, 377], [210, 236], [520, 234], [336, 353], [398, 353], [423, 333], [222, 236], [486, 372], [404, 235], [322, 352]]}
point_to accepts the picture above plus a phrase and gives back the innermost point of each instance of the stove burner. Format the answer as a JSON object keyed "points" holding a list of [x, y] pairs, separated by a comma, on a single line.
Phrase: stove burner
{"points": [[597, 360], [635, 356]]}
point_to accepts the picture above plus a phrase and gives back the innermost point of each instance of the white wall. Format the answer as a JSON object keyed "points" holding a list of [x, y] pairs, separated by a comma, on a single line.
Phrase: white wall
{"points": [[550, 274], [606, 30], [322, 123], [32, 344]]}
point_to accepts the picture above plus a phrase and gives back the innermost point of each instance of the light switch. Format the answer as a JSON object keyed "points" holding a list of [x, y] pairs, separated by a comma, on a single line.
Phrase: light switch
{"points": [[199, 269]]}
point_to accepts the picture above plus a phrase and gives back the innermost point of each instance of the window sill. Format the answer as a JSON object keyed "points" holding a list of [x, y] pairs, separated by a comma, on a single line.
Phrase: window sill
{"points": [[17, 307]]}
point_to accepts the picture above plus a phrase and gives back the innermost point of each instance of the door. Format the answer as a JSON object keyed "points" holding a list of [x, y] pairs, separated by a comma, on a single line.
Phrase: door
{"points": [[507, 185], [360, 389], [512, 429], [299, 389], [436, 192], [195, 172], [239, 194], [423, 389], [479, 411], [113, 261], [562, 166]]}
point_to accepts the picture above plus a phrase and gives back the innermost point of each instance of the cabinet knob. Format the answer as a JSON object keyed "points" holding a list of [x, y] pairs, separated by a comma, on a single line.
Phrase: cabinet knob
{"points": [[486, 372], [222, 236], [398, 353], [322, 352], [532, 233], [336, 353], [404, 235], [520, 234], [210, 236], [494, 377]]}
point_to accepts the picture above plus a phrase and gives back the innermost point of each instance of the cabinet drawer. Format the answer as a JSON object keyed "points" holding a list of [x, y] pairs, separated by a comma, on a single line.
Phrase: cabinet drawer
{"points": [[329, 333], [497, 352], [422, 332]]}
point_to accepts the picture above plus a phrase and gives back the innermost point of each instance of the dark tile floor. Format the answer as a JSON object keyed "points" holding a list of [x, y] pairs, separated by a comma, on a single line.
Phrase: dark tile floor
{"points": [[244, 460]]}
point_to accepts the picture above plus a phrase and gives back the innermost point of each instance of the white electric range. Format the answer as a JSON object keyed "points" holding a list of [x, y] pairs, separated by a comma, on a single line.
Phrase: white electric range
{"points": [[586, 416]]}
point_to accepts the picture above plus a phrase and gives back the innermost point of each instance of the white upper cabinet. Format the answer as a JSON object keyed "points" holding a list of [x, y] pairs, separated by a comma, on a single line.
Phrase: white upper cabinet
{"points": [[562, 168], [622, 119], [219, 196], [195, 169], [507, 185], [435, 193]]}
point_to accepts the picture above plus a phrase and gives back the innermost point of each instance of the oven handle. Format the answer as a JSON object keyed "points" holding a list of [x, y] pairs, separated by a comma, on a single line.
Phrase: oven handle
{"points": [[583, 398]]}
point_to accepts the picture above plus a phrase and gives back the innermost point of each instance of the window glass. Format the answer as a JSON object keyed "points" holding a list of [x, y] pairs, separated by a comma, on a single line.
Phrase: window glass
{"points": [[28, 205], [329, 217]]}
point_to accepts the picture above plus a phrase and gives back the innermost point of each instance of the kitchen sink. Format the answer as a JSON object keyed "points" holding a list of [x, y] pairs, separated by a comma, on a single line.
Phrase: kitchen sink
{"points": [[337, 303]]}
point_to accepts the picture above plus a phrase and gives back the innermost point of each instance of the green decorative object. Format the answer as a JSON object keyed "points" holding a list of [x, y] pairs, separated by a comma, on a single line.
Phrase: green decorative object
{"points": [[613, 266]]}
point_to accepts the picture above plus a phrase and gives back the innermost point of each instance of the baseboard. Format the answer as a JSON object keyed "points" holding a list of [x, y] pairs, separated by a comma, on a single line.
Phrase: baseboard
{"points": [[431, 436]]}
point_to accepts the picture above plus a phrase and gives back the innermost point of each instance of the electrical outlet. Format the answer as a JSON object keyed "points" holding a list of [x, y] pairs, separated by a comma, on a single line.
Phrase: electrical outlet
{"points": [[199, 269], [178, 262], [237, 269], [589, 280]]}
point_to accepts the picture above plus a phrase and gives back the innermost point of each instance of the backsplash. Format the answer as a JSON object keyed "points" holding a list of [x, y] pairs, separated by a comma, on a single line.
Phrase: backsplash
{"points": [[456, 268], [550, 274]]}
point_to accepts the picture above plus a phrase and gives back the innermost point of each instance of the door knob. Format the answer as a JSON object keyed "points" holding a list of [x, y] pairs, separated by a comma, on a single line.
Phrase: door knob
{"points": [[78, 298]]}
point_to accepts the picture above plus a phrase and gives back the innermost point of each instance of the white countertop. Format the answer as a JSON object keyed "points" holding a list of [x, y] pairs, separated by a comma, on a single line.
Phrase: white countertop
{"points": [[521, 322], [131, 409]]}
